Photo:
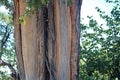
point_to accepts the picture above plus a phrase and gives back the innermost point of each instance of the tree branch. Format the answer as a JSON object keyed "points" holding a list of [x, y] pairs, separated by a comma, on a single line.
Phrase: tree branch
{"points": [[5, 37], [14, 75]]}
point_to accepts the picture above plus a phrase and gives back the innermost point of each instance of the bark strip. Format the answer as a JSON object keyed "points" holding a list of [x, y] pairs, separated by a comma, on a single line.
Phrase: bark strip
{"points": [[74, 10], [18, 40], [62, 42]]}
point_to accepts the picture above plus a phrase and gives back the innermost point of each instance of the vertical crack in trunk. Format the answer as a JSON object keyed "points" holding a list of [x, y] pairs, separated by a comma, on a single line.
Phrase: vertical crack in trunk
{"points": [[18, 40], [49, 41], [45, 20], [40, 45]]}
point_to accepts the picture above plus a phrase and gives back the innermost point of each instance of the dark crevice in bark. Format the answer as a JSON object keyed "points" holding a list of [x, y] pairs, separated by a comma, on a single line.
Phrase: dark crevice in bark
{"points": [[22, 72], [45, 20], [41, 70], [49, 37], [51, 40]]}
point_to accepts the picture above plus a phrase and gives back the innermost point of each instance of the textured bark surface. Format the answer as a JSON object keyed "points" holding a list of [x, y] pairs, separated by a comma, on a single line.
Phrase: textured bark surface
{"points": [[30, 44], [74, 17], [48, 44], [18, 40], [62, 43]]}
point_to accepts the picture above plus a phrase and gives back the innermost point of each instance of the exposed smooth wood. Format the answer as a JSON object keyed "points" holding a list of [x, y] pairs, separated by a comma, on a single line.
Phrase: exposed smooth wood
{"points": [[62, 40], [48, 44]]}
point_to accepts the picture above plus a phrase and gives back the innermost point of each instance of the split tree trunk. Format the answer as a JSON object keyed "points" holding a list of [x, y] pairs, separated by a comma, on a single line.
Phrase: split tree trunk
{"points": [[48, 44]]}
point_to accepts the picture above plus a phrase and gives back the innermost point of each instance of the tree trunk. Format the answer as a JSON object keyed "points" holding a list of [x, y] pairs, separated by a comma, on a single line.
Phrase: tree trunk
{"points": [[48, 44]]}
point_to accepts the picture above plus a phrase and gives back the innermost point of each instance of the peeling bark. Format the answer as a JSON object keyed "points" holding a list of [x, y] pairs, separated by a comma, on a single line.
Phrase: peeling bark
{"points": [[74, 20], [18, 40], [48, 44]]}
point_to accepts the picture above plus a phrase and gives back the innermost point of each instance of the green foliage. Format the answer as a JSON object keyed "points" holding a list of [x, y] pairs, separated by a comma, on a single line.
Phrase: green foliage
{"points": [[112, 1], [7, 50], [4, 76], [36, 4], [100, 48], [69, 2], [32, 7], [9, 4]]}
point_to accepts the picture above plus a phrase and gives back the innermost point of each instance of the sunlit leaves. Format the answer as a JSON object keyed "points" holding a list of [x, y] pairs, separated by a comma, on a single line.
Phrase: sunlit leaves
{"points": [[8, 4], [7, 52], [100, 48], [36, 4], [92, 23]]}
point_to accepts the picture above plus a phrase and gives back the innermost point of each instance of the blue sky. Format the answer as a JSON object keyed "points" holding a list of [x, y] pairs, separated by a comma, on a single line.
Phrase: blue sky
{"points": [[88, 8], [2, 9]]}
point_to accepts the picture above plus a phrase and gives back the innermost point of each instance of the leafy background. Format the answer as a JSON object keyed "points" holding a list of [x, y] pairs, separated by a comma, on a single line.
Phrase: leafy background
{"points": [[100, 46]]}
